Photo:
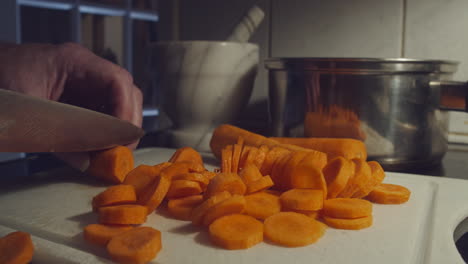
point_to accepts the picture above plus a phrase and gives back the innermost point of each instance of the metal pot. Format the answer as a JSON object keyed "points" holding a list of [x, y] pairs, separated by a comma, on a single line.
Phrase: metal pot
{"points": [[396, 106]]}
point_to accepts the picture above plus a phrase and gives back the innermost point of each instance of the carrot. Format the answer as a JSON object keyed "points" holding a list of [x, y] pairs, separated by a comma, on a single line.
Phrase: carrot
{"points": [[270, 158], [141, 176], [111, 165], [252, 156], [232, 205], [199, 212], [114, 195], [334, 147], [259, 185], [137, 246], [186, 154], [348, 208], [302, 199], [16, 248], [308, 173], [155, 193], [362, 175], [209, 174], [101, 234], [182, 208], [226, 159], [128, 214], [337, 173], [193, 176], [262, 205], [236, 231], [277, 172], [283, 181], [230, 182], [261, 155], [236, 152], [243, 156], [378, 176], [181, 168], [183, 188], [274, 192], [311, 214], [386, 193], [351, 224], [293, 229], [250, 173]]}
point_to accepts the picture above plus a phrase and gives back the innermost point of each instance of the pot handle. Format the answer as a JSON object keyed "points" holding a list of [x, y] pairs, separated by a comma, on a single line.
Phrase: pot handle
{"points": [[453, 95]]}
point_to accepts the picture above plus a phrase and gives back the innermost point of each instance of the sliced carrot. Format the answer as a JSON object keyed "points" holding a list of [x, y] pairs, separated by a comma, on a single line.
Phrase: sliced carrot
{"points": [[232, 205], [240, 141], [252, 156], [302, 199], [259, 185], [262, 205], [193, 166], [243, 156], [199, 212], [138, 245], [261, 154], [293, 229], [277, 172], [378, 175], [350, 224], [112, 164], [155, 193], [236, 152], [182, 208], [16, 248], [308, 173], [180, 168], [250, 173], [194, 176], [128, 214], [362, 175], [118, 194], [337, 173], [236, 231], [226, 158], [386, 193], [142, 176], [101, 234], [183, 188], [274, 192], [311, 214], [186, 154], [209, 174], [347, 208], [270, 159], [284, 181], [230, 182]]}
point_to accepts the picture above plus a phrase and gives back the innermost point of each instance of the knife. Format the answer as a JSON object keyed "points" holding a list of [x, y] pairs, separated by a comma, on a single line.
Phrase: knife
{"points": [[31, 124]]}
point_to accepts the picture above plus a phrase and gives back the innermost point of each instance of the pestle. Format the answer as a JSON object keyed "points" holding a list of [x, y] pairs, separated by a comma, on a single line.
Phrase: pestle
{"points": [[247, 26]]}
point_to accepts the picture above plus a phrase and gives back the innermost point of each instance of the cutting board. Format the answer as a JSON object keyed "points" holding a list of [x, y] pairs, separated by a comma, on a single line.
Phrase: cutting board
{"points": [[56, 207]]}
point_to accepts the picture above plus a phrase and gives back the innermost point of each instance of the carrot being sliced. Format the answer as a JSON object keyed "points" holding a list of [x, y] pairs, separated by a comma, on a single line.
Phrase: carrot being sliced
{"points": [[243, 156], [183, 188], [236, 152], [182, 208], [337, 173], [186, 154], [118, 194], [199, 212], [142, 176], [236, 231], [362, 175], [251, 156], [155, 193], [111, 164], [350, 224], [138, 246], [347, 208], [250, 173], [271, 156], [378, 175], [230, 182], [308, 173], [226, 158], [259, 185], [302, 199], [101, 234], [293, 229], [262, 205], [294, 160], [277, 171], [123, 214], [16, 248], [261, 154], [232, 205], [386, 193], [194, 176]]}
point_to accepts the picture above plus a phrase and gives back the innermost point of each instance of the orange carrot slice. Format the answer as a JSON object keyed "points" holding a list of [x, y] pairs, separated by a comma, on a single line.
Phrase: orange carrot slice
{"points": [[243, 156], [362, 176], [199, 212], [209, 174], [230, 182], [293, 161], [142, 176], [194, 176], [270, 158], [308, 173], [252, 156], [386, 193], [232, 205], [350, 224], [336, 174], [261, 154], [259, 185], [261, 205], [302, 199], [155, 193], [182, 208], [16, 248], [226, 158], [236, 231], [236, 152], [186, 154], [123, 214], [112, 164], [293, 229], [118, 194], [183, 188], [277, 172], [250, 173], [311, 214], [101, 234], [347, 208], [378, 175]]}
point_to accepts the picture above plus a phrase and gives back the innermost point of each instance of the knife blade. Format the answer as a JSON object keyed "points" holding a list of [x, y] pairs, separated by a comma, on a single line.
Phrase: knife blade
{"points": [[31, 124]]}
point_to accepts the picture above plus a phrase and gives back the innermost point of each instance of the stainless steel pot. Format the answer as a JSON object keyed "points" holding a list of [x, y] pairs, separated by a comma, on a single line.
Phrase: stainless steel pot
{"points": [[393, 105]]}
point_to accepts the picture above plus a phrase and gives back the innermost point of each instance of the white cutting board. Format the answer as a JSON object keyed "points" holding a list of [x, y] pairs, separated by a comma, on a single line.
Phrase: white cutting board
{"points": [[56, 208]]}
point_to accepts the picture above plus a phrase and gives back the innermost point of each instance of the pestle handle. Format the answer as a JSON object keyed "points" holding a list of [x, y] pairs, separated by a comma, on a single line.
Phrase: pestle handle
{"points": [[247, 26]]}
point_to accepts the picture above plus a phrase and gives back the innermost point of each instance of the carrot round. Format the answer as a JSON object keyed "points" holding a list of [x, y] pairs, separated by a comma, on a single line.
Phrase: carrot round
{"points": [[236, 231], [118, 194], [243, 156], [271, 157], [142, 176], [137, 246], [386, 193], [209, 174], [302, 199], [308, 173], [236, 152], [177, 168], [101, 234], [337, 173], [186, 154], [230, 182], [350, 224], [130, 214], [261, 205], [311, 214], [361, 178], [293, 229], [16, 248], [347, 208], [378, 175], [250, 173], [226, 159], [182, 208], [183, 188], [111, 164], [281, 180], [232, 205], [261, 155], [259, 185], [285, 176], [199, 212], [194, 176], [155, 193]]}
